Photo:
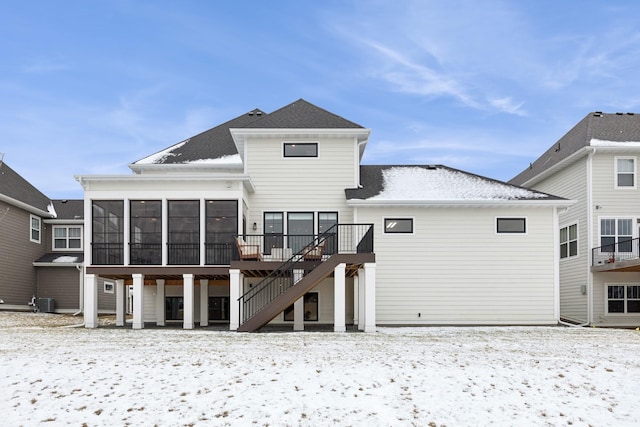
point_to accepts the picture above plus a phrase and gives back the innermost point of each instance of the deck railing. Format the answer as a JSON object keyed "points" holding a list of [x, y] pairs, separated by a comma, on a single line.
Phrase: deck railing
{"points": [[341, 238], [615, 252]]}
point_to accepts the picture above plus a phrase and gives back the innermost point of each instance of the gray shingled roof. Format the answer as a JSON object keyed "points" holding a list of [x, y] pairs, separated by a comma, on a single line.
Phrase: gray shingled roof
{"points": [[435, 183], [616, 127], [301, 114], [69, 209], [211, 144], [217, 142], [61, 258], [14, 186]]}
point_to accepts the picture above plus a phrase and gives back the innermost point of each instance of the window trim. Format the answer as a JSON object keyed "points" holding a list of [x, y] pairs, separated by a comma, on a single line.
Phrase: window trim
{"points": [[66, 248], [617, 235], [405, 218], [511, 233], [616, 173], [568, 242], [109, 287], [32, 229], [625, 299], [293, 143]]}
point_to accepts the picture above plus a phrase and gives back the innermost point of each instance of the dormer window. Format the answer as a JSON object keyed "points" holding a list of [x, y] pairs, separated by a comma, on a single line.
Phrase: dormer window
{"points": [[300, 149]]}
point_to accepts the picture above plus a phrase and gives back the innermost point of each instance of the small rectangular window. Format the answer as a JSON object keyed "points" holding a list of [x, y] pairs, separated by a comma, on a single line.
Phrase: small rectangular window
{"points": [[300, 149], [35, 229], [398, 225], [625, 172], [511, 225], [108, 287]]}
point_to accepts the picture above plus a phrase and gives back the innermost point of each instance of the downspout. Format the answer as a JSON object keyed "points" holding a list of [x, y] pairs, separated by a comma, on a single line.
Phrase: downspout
{"points": [[590, 235], [81, 302]]}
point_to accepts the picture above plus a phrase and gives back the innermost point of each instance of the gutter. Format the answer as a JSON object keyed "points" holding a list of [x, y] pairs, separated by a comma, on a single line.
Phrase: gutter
{"points": [[462, 203], [81, 302]]}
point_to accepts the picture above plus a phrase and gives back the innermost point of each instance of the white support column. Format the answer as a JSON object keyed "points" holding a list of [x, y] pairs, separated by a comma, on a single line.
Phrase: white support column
{"points": [[165, 232], [361, 294], [370, 297], [298, 314], [188, 301], [356, 301], [91, 301], [138, 301], [235, 290], [339, 298], [160, 302], [121, 302], [204, 302], [298, 306]]}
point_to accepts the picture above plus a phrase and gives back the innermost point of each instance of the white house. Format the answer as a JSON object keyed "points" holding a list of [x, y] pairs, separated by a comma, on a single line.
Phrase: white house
{"points": [[596, 164], [271, 218]]}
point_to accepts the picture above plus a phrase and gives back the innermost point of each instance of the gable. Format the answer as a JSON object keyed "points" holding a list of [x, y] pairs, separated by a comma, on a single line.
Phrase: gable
{"points": [[302, 115]]}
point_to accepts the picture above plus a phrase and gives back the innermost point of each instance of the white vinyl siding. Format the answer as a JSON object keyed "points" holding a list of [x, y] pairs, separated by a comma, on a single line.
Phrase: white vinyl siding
{"points": [[298, 184], [454, 268], [571, 183]]}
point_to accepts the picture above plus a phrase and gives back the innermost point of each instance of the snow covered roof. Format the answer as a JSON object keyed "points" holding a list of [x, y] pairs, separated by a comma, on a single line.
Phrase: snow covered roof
{"points": [[435, 183], [60, 259]]}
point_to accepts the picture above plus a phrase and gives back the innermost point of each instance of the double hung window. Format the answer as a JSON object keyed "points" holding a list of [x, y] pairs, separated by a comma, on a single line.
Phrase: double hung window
{"points": [[616, 234], [66, 238], [625, 172], [569, 241]]}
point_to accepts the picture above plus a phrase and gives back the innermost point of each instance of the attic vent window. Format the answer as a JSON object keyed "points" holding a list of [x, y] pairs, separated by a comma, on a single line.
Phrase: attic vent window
{"points": [[300, 149]]}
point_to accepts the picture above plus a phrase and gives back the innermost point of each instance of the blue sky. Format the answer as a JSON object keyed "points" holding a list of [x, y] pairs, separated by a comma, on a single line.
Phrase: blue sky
{"points": [[87, 87]]}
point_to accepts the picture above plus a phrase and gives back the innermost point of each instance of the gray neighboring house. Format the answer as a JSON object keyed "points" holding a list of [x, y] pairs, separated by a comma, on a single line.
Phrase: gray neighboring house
{"points": [[41, 253], [596, 164]]}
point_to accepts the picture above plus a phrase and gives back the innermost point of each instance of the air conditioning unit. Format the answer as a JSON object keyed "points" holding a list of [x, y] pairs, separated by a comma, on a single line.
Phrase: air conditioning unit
{"points": [[47, 305]]}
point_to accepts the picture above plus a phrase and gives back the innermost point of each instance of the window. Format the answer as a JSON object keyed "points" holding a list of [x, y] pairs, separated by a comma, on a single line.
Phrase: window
{"points": [[108, 287], [310, 308], [511, 225], [300, 149], [174, 308], [273, 231], [398, 225], [625, 172], [299, 230], [569, 241], [219, 308], [327, 220], [146, 232], [107, 232], [36, 225], [616, 234], [65, 238], [184, 232], [623, 299], [221, 227]]}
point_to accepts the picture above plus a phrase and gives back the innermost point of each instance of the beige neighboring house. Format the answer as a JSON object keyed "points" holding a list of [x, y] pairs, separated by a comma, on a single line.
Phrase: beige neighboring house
{"points": [[596, 164], [271, 219]]}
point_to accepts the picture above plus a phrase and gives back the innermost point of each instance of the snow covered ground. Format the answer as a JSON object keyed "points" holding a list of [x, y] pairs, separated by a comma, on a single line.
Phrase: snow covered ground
{"points": [[51, 374]]}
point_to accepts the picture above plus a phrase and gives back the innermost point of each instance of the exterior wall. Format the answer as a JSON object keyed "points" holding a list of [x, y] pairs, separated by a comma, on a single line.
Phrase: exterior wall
{"points": [[61, 284], [571, 183], [612, 202], [601, 318], [17, 253], [455, 269], [300, 184]]}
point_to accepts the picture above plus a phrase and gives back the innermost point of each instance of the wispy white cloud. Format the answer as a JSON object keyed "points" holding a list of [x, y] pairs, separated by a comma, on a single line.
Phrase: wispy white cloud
{"points": [[507, 105]]}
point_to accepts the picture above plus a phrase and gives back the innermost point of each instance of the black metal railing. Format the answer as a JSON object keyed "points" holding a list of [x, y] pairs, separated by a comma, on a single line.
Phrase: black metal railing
{"points": [[341, 238], [615, 252], [183, 253], [145, 253], [107, 253]]}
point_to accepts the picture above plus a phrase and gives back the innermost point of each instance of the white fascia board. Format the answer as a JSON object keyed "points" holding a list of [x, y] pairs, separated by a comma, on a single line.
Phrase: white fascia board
{"points": [[362, 134], [57, 264], [461, 203], [246, 180], [186, 167], [25, 206]]}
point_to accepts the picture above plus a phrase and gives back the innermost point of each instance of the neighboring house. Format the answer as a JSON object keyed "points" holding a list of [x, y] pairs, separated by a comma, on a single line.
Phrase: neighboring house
{"points": [[596, 164], [271, 218], [41, 252]]}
